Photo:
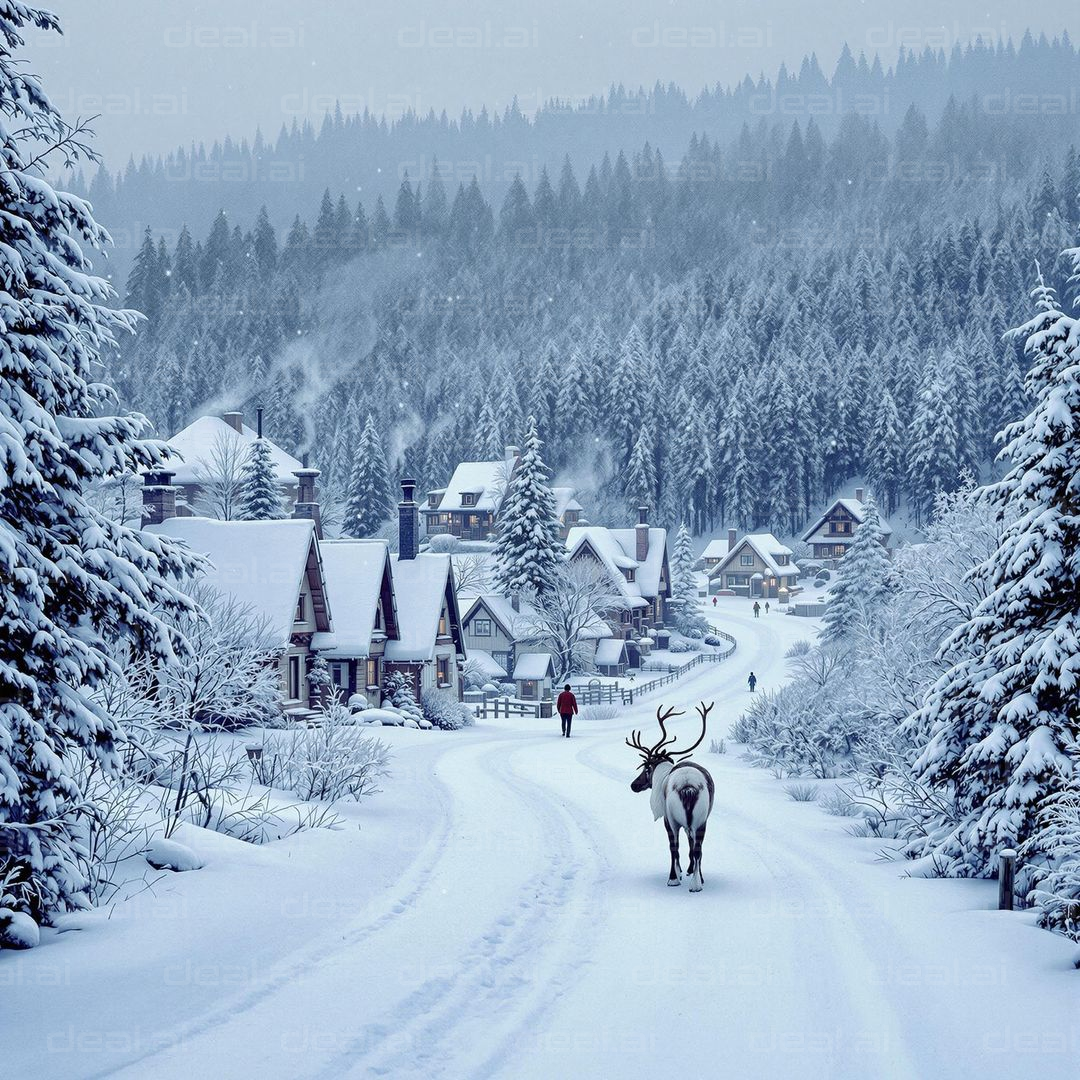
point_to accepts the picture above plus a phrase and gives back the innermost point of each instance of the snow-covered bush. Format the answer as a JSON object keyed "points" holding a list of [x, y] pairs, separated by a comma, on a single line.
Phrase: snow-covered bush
{"points": [[444, 711], [598, 712], [358, 703], [331, 761], [443, 543], [1057, 894], [678, 646]]}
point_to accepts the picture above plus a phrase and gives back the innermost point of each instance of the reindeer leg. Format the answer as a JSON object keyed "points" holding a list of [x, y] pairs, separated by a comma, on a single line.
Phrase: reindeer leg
{"points": [[695, 859], [673, 843]]}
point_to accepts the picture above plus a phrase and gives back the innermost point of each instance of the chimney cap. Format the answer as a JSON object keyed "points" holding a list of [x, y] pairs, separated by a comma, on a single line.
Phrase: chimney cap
{"points": [[513, 452], [859, 493], [235, 419], [158, 478], [305, 472], [643, 515], [408, 489]]}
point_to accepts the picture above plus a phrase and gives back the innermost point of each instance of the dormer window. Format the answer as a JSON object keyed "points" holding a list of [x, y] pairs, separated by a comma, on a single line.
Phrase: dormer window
{"points": [[442, 624], [629, 572], [468, 498], [300, 608], [781, 560], [571, 517]]}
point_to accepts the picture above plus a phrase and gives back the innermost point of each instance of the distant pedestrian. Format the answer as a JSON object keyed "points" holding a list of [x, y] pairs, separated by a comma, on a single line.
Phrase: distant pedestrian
{"points": [[752, 682], [567, 707], [714, 601], [766, 607], [757, 610]]}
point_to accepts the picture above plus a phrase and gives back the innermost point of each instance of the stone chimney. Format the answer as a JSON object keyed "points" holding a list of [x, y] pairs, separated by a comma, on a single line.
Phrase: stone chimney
{"points": [[859, 493], [306, 505], [408, 521], [642, 531], [235, 420], [732, 534], [159, 496]]}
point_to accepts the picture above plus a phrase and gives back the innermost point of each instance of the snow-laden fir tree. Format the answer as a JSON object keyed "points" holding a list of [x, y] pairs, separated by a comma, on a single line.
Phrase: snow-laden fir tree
{"points": [[72, 582], [368, 503], [641, 472], [527, 546], [260, 495], [684, 591], [1003, 719], [863, 579]]}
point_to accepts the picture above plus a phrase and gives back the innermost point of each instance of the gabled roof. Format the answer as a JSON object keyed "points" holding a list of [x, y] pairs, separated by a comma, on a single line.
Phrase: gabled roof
{"points": [[615, 548], [487, 480], [487, 664], [423, 586], [767, 547], [197, 444], [855, 508], [610, 651], [261, 564], [716, 549], [357, 578], [536, 665], [512, 623], [565, 500]]}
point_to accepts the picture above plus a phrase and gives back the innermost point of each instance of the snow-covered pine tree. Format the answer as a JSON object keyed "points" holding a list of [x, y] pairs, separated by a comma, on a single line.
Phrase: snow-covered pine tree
{"points": [[527, 545], [72, 582], [260, 496], [885, 452], [862, 580], [684, 591], [1003, 719], [368, 502], [641, 471]]}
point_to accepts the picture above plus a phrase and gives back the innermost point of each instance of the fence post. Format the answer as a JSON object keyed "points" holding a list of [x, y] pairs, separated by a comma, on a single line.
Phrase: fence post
{"points": [[1006, 878]]}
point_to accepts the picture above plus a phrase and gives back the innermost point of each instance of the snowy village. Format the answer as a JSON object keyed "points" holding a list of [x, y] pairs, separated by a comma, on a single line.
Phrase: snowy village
{"points": [[516, 583]]}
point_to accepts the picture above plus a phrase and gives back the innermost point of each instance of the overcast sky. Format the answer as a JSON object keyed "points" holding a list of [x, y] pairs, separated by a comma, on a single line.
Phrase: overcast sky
{"points": [[164, 72]]}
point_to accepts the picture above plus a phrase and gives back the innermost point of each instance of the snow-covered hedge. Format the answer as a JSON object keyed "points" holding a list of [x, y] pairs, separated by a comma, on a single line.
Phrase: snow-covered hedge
{"points": [[444, 711]]}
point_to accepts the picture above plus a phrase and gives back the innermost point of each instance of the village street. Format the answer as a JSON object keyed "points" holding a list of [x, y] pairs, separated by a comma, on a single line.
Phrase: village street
{"points": [[504, 913]]}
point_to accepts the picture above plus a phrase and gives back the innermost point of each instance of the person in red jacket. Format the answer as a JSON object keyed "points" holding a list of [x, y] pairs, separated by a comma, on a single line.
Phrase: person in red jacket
{"points": [[566, 707]]}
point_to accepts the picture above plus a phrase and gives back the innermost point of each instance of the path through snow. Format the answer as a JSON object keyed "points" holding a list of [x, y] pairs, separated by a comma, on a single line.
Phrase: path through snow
{"points": [[520, 926]]}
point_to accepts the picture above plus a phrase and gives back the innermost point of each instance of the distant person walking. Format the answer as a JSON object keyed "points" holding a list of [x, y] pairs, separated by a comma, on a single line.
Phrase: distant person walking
{"points": [[757, 609], [752, 682], [766, 607], [566, 707], [714, 601]]}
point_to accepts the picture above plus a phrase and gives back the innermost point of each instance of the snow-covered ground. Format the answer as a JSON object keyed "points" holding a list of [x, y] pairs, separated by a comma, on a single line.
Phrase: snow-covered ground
{"points": [[502, 910]]}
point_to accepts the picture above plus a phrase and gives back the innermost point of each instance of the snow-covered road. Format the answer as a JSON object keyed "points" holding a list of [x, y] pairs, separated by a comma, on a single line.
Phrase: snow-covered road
{"points": [[521, 927]]}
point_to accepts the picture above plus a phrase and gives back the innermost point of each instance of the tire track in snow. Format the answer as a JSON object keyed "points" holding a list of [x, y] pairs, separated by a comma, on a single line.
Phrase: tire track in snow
{"points": [[487, 998]]}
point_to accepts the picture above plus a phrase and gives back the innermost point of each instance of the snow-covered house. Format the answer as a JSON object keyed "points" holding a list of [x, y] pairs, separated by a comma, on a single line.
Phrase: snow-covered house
{"points": [[717, 550], [214, 449], [468, 507], [358, 576], [758, 565], [275, 568], [534, 676], [831, 534], [429, 646], [637, 561]]}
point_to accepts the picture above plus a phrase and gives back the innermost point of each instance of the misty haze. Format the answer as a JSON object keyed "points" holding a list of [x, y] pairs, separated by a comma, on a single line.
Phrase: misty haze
{"points": [[393, 393]]}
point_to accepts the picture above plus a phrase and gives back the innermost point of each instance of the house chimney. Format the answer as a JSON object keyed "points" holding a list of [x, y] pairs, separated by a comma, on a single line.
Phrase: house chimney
{"points": [[642, 531], [515, 601], [512, 453], [731, 535], [258, 421], [235, 420], [159, 496], [306, 505], [859, 493], [408, 521]]}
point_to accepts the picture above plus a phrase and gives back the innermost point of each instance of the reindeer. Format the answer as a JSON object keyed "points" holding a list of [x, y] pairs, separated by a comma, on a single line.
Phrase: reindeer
{"points": [[682, 792]]}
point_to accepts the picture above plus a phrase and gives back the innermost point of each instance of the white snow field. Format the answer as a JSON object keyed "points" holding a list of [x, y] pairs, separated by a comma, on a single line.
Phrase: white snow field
{"points": [[502, 911]]}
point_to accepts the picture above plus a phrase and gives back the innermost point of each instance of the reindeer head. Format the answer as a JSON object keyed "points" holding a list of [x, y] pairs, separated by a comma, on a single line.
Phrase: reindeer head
{"points": [[663, 751]]}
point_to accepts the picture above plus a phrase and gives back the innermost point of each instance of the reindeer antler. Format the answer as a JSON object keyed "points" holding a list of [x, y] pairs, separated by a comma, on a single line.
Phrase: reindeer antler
{"points": [[703, 711], [662, 716]]}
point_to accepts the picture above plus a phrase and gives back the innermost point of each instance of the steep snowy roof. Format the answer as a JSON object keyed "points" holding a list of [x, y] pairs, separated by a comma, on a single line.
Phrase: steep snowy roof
{"points": [[856, 508], [484, 479], [355, 571], [564, 500], [716, 549], [420, 589], [537, 665], [610, 651], [260, 564], [767, 548], [487, 663], [514, 623], [615, 549], [198, 443]]}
